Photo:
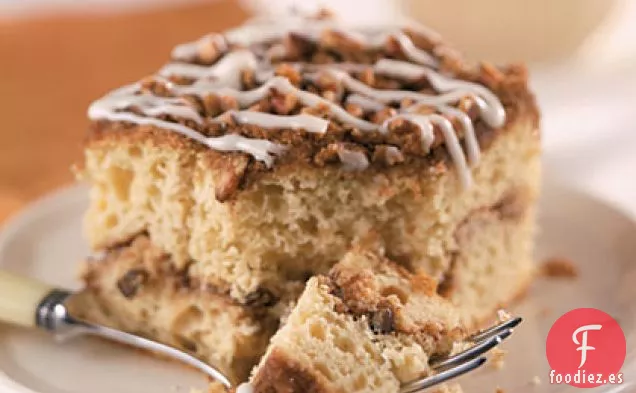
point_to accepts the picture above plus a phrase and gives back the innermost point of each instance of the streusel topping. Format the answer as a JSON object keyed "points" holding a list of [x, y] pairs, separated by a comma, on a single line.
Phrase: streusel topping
{"points": [[329, 94]]}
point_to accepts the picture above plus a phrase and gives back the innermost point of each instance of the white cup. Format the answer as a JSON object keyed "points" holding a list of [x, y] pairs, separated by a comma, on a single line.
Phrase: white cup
{"points": [[511, 30]]}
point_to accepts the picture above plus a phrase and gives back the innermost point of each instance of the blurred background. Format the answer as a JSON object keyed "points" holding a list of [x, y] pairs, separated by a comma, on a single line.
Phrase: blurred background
{"points": [[56, 56]]}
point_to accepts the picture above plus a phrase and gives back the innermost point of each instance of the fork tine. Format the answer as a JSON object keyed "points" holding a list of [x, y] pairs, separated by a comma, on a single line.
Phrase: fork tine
{"points": [[493, 330], [424, 383], [472, 352]]}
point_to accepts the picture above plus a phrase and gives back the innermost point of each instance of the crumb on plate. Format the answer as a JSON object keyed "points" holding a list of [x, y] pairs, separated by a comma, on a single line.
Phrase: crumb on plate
{"points": [[559, 268]]}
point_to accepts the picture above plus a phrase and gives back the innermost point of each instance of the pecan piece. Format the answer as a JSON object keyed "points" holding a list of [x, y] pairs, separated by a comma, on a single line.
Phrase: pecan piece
{"points": [[131, 282], [261, 297], [382, 321]]}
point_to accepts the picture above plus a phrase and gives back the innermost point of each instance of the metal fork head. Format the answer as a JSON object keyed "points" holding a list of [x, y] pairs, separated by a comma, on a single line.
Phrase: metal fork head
{"points": [[465, 361], [53, 315]]}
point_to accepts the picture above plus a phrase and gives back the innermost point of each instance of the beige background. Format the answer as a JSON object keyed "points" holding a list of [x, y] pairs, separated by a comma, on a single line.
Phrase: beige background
{"points": [[52, 67]]}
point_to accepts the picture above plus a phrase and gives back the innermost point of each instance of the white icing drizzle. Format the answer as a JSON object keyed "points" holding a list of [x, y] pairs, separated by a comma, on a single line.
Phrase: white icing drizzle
{"points": [[412, 52], [365, 103], [224, 79], [189, 50], [454, 148], [348, 67], [260, 149], [399, 69], [378, 40], [426, 124], [269, 30], [282, 85], [493, 113], [423, 122], [148, 104], [353, 160], [266, 120], [472, 145], [227, 71], [245, 387]]}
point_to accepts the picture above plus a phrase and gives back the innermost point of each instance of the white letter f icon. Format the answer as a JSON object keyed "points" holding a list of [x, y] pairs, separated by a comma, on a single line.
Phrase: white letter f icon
{"points": [[583, 344]]}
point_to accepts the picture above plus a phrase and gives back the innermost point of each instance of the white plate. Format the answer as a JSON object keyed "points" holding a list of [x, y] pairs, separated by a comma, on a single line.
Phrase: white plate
{"points": [[45, 242]]}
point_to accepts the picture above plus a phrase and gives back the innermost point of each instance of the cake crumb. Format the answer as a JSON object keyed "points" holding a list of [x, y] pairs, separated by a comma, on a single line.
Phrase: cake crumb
{"points": [[559, 268], [460, 346], [545, 311], [536, 381], [497, 356], [503, 315]]}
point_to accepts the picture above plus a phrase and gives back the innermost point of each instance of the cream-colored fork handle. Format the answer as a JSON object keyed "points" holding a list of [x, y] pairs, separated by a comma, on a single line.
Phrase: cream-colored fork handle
{"points": [[19, 298]]}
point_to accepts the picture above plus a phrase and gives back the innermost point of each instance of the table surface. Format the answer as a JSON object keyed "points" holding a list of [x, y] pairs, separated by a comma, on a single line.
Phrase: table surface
{"points": [[53, 66]]}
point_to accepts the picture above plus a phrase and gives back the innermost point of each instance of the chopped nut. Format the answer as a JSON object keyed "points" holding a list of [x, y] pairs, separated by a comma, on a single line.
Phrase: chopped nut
{"points": [[229, 103], [283, 104], [470, 107], [212, 105], [261, 297], [393, 48], [322, 58], [209, 49], [424, 110], [327, 154], [382, 321], [230, 178], [387, 155], [132, 282], [407, 102], [368, 77], [559, 268], [289, 72], [389, 84], [156, 87], [492, 75], [297, 46], [147, 83], [381, 116], [339, 41], [195, 102], [329, 95], [248, 79], [327, 82], [354, 109]]}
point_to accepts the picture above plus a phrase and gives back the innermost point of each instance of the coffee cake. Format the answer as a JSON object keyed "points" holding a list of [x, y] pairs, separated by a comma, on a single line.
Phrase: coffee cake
{"points": [[260, 156]]}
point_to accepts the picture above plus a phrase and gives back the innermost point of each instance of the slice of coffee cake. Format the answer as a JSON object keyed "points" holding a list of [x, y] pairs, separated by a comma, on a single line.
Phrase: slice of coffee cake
{"points": [[368, 326], [259, 156]]}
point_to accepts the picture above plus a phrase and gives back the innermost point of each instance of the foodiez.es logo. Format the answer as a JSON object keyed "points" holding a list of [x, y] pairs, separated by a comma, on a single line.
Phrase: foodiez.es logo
{"points": [[586, 348]]}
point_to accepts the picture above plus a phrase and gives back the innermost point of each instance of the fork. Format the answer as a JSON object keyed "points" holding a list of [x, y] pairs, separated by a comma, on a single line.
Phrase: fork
{"points": [[28, 303]]}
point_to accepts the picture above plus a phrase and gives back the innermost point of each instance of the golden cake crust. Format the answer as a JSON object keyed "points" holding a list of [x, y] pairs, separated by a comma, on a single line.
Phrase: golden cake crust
{"points": [[283, 374]]}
